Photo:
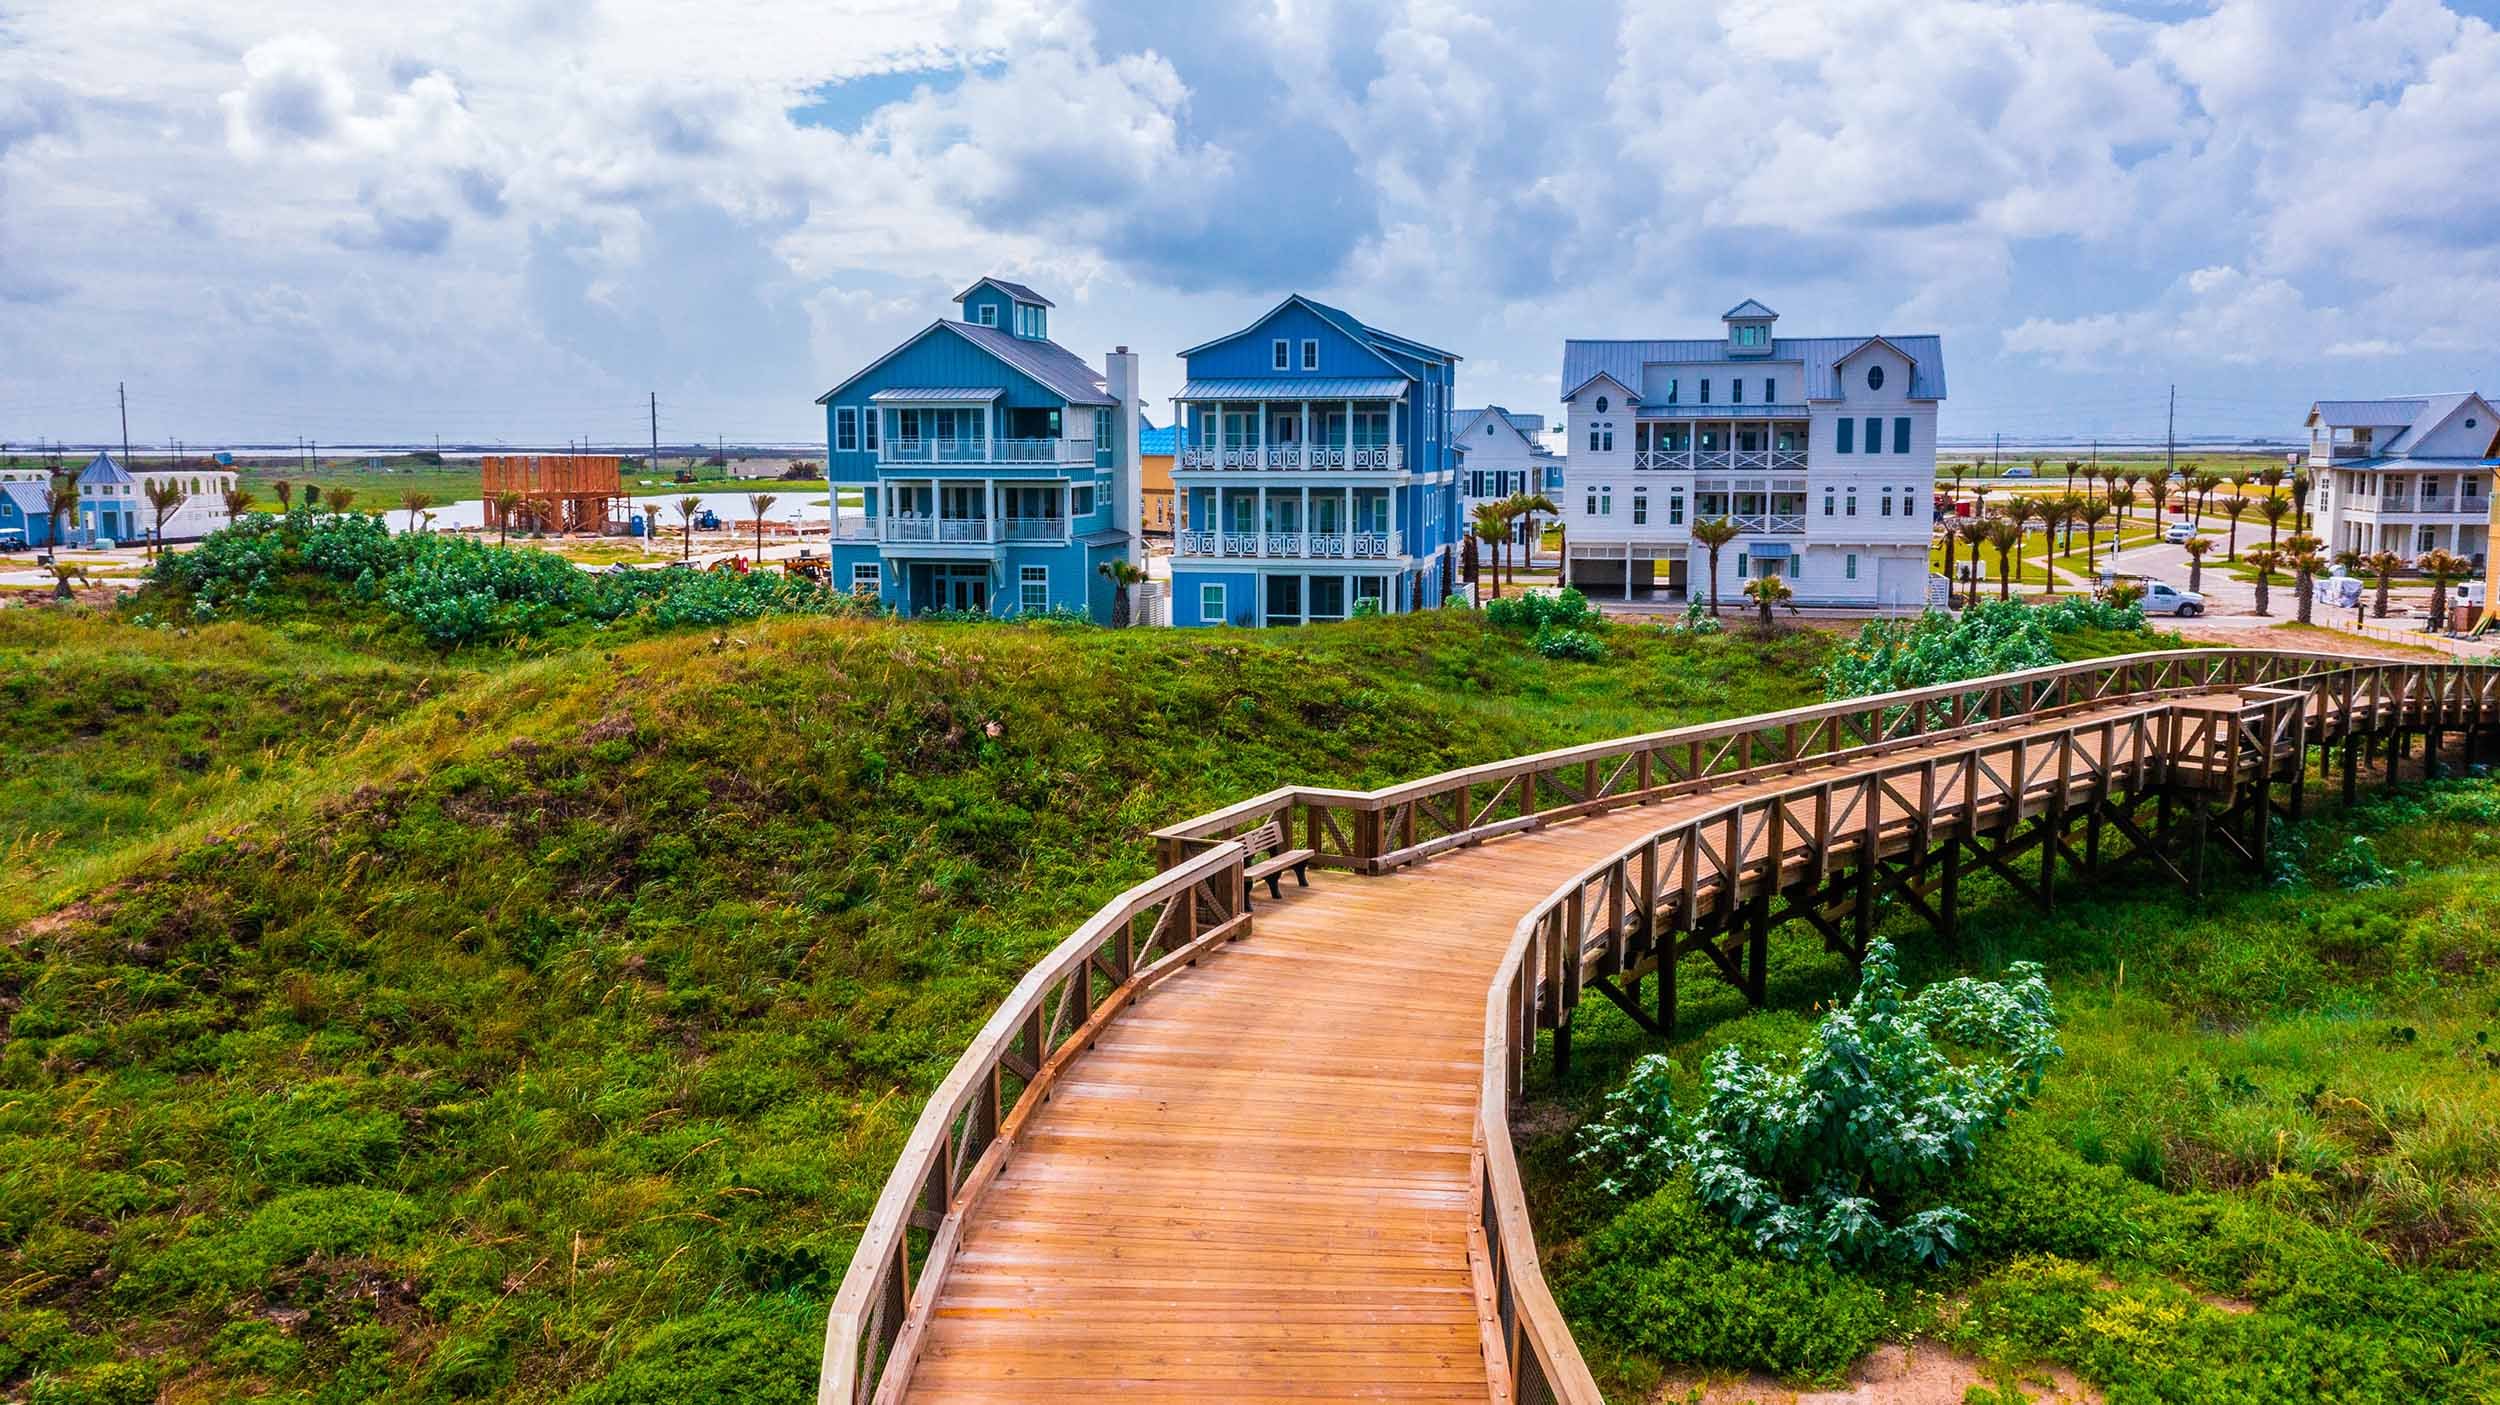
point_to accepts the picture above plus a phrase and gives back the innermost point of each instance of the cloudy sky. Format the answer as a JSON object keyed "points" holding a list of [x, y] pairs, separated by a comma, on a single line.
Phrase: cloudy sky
{"points": [[509, 220]]}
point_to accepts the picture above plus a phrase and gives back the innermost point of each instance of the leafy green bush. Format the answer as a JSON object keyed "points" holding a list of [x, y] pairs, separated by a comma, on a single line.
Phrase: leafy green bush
{"points": [[1697, 619], [2000, 636], [1537, 612], [1828, 1160], [1575, 645], [1670, 1278]]}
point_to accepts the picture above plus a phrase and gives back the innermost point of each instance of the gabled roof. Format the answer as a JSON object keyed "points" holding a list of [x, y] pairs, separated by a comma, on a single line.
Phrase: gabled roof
{"points": [[1055, 368], [1297, 388], [2366, 414], [1371, 338], [1017, 291], [1622, 360], [27, 495], [102, 469], [1572, 388], [1748, 311], [1167, 440]]}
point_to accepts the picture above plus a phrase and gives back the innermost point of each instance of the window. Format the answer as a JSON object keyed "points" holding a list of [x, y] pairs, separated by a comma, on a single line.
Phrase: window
{"points": [[1887, 502], [1853, 503], [1901, 434], [1592, 439], [1606, 502], [1675, 508], [1279, 355], [1211, 603], [868, 422], [1828, 501], [1874, 377], [1592, 509], [1853, 565], [1081, 500], [1310, 353], [1874, 435], [1705, 390], [1033, 589], [1640, 507], [1102, 430], [846, 429], [1488, 429], [1744, 566], [1736, 391], [1848, 435], [1371, 588], [1610, 440], [1770, 390], [986, 314], [1029, 321], [1671, 389], [1601, 404], [864, 579]]}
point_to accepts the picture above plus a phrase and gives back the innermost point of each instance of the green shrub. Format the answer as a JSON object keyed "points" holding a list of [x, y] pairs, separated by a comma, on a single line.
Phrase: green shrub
{"points": [[1826, 1160], [1537, 611], [2000, 636], [1669, 1278], [1576, 645]]}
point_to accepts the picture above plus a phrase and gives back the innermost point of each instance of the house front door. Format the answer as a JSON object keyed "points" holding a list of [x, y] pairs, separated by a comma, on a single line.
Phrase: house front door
{"points": [[968, 593]]}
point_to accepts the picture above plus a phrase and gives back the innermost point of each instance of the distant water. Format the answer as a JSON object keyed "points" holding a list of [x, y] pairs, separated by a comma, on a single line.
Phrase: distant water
{"points": [[806, 505]]}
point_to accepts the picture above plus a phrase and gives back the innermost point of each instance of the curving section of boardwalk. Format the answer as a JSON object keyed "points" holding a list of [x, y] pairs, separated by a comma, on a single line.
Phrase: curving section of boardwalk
{"points": [[1205, 1153]]}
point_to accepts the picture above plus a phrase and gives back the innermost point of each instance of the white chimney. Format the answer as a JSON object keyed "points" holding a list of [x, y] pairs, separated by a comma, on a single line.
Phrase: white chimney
{"points": [[1120, 376]]}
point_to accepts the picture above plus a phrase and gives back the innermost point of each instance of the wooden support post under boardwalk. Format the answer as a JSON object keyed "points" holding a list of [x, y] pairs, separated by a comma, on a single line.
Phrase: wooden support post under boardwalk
{"points": [[2352, 777], [1758, 950]]}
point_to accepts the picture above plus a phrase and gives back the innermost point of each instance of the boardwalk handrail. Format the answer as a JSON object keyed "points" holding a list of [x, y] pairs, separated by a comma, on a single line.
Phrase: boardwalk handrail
{"points": [[1706, 861], [1373, 831], [970, 1125], [971, 1122]]}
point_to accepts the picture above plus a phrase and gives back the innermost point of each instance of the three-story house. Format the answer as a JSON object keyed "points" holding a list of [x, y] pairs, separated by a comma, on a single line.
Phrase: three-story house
{"points": [[1820, 450], [2408, 474], [1503, 454], [999, 470], [1316, 475]]}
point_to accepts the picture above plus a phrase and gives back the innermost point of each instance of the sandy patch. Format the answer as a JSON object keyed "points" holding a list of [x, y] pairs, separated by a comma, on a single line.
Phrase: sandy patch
{"points": [[1920, 1373]]}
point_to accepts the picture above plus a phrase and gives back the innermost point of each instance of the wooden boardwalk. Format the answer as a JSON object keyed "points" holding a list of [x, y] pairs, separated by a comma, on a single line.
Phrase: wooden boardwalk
{"points": [[1257, 1185], [1201, 1153]]}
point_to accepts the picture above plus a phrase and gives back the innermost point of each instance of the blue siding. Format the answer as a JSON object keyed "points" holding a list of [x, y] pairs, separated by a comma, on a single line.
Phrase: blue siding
{"points": [[988, 296], [1241, 597], [935, 357], [1251, 352]]}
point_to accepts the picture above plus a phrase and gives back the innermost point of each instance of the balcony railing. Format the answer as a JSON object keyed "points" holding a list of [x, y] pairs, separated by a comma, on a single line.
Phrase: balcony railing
{"points": [[957, 531], [1737, 460], [2441, 506], [1772, 523], [1326, 546], [947, 451], [2337, 453], [1242, 458], [1037, 529]]}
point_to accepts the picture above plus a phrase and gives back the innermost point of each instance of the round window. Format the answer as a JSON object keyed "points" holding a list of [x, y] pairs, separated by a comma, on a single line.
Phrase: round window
{"points": [[1601, 404], [2469, 424], [1874, 377]]}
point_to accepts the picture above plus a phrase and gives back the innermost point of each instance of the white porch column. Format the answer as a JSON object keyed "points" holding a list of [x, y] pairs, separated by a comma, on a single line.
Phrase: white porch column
{"points": [[1306, 443], [1261, 523], [1305, 522], [1348, 523], [1348, 445]]}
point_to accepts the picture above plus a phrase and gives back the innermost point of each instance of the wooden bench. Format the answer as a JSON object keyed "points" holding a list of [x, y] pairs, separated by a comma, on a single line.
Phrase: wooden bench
{"points": [[1269, 839]]}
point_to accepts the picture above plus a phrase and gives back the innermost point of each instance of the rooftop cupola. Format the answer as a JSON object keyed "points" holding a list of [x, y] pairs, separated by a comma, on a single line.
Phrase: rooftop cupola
{"points": [[1749, 328], [995, 302]]}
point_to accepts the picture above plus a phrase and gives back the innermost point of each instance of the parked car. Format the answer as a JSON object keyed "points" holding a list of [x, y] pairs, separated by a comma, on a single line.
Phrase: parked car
{"points": [[2163, 598], [2178, 532], [2017, 471]]}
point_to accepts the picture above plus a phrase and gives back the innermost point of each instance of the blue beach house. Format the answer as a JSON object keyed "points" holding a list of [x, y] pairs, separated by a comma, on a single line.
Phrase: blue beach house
{"points": [[1317, 473], [1000, 471], [24, 518]]}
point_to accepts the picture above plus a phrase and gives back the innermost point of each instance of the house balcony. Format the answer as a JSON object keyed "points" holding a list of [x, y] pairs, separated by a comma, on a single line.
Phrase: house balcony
{"points": [[2387, 503], [1770, 524], [920, 452], [1292, 546], [2323, 454], [1388, 458], [1723, 460], [903, 530]]}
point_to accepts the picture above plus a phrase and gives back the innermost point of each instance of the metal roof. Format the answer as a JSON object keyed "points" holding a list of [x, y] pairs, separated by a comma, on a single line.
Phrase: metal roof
{"points": [[102, 469], [1053, 365], [2366, 414], [1747, 311], [27, 495], [1297, 388], [1017, 291], [1623, 360], [1372, 338], [939, 394], [1167, 440]]}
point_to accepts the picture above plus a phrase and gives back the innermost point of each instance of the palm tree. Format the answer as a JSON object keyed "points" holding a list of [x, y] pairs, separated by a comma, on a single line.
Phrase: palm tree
{"points": [[2307, 565], [2006, 535], [2159, 491], [2300, 502], [312, 495], [686, 509], [2264, 560], [2205, 483], [1768, 592], [2274, 510], [2121, 497], [1468, 569], [63, 572], [1491, 528], [759, 503], [1122, 574], [2384, 565], [2073, 467], [1714, 533], [285, 490], [340, 499], [2094, 514], [415, 503], [1974, 534], [2445, 568], [1528, 505], [1952, 539], [238, 501], [507, 503], [2234, 507], [2054, 515], [165, 497], [60, 501], [2196, 549]]}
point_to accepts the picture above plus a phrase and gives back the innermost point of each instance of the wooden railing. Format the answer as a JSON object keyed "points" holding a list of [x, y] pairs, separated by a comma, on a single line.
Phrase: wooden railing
{"points": [[970, 1125], [969, 1128]]}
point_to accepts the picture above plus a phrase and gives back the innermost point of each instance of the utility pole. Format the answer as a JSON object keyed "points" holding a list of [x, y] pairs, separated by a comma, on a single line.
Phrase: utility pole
{"points": [[2170, 436], [1997, 454], [655, 434], [121, 391]]}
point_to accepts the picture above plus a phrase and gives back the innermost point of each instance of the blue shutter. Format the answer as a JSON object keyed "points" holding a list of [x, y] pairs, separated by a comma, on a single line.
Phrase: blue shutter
{"points": [[1848, 435], [1901, 434], [1874, 435]]}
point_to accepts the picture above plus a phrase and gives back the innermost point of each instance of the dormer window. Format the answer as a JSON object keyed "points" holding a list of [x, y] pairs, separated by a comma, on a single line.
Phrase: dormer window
{"points": [[1601, 404], [1874, 377], [1281, 355], [1030, 322], [986, 314]]}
